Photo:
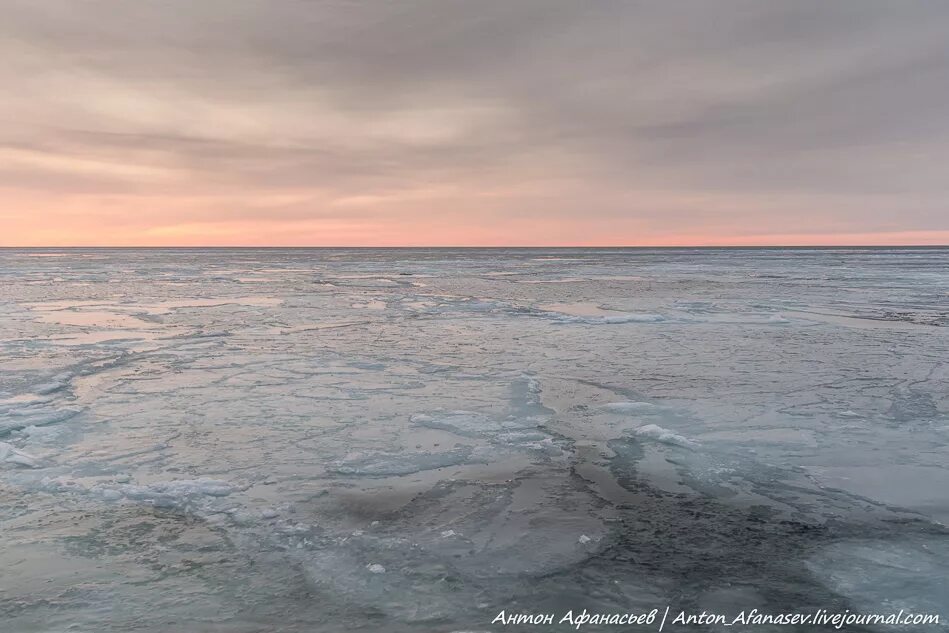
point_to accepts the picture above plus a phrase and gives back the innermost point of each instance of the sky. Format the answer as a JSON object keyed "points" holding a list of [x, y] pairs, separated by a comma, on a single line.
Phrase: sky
{"points": [[473, 122]]}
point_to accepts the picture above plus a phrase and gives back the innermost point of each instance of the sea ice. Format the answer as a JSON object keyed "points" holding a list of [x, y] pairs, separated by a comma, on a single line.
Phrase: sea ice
{"points": [[632, 407], [10, 455], [234, 437], [167, 494], [887, 575], [476, 425], [656, 432], [397, 464], [614, 319]]}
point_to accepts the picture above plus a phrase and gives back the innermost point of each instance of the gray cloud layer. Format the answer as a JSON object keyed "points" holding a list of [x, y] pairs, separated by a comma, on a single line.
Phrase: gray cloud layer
{"points": [[726, 115]]}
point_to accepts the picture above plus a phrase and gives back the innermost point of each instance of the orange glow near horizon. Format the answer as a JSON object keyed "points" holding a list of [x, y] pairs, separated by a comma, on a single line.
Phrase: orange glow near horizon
{"points": [[242, 234], [89, 221]]}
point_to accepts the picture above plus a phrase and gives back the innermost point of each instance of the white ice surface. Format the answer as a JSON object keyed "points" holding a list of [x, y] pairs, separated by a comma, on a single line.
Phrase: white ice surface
{"points": [[656, 432]]}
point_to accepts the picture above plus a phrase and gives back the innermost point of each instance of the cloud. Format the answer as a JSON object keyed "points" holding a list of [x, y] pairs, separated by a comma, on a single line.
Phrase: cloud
{"points": [[447, 119]]}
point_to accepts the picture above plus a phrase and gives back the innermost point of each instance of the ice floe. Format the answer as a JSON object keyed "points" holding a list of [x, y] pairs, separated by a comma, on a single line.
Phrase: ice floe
{"points": [[396, 464], [11, 455], [658, 433], [632, 408]]}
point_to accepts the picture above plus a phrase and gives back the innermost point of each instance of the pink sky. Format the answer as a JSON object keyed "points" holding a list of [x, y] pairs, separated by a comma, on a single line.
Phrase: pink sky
{"points": [[492, 123]]}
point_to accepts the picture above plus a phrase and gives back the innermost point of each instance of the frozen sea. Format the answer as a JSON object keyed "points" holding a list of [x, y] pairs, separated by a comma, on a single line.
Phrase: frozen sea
{"points": [[325, 440]]}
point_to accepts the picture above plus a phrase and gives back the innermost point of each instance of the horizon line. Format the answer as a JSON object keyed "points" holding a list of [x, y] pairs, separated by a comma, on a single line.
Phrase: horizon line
{"points": [[474, 247]]}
